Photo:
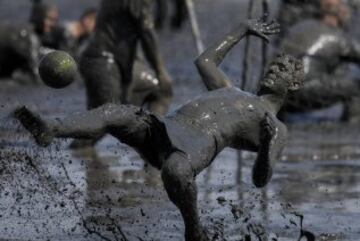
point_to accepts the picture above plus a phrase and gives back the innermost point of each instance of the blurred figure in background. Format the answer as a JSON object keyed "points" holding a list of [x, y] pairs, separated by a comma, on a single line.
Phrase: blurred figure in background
{"points": [[79, 31], [107, 63], [45, 19], [162, 11], [293, 11], [325, 48], [19, 52], [84, 27]]}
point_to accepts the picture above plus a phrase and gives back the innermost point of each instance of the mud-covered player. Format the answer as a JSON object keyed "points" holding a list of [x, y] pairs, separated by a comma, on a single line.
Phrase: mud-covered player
{"points": [[186, 141]]}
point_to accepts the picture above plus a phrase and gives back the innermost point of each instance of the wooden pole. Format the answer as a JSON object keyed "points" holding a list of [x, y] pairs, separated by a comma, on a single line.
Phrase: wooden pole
{"points": [[245, 64], [195, 26], [265, 7]]}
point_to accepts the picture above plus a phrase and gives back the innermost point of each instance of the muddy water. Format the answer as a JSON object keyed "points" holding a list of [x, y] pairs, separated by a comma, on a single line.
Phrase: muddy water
{"points": [[106, 193]]}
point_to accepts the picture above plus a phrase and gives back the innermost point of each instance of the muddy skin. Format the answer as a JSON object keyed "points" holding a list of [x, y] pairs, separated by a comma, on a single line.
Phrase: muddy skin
{"points": [[145, 92], [324, 50], [19, 48], [187, 140]]}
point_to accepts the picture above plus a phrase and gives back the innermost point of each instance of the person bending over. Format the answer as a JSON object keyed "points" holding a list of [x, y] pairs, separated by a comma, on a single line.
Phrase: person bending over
{"points": [[325, 50], [187, 140]]}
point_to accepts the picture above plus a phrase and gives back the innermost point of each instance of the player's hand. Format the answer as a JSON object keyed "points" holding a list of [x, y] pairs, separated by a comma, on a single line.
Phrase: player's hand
{"points": [[261, 28]]}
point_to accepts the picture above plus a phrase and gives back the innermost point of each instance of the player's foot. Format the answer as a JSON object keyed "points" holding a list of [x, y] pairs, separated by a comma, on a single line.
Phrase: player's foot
{"points": [[35, 125]]}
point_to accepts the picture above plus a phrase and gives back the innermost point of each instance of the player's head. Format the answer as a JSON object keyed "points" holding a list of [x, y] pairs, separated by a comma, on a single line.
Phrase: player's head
{"points": [[335, 12], [285, 74], [88, 20]]}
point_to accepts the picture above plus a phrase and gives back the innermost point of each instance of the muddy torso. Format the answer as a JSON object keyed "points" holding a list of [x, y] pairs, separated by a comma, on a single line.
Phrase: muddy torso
{"points": [[320, 46], [227, 117]]}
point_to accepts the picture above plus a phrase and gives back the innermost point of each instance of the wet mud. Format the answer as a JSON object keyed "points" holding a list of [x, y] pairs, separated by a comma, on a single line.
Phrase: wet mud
{"points": [[107, 193]]}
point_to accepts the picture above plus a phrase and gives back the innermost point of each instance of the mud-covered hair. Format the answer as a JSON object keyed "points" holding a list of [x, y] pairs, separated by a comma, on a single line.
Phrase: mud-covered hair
{"points": [[290, 70], [290, 62]]}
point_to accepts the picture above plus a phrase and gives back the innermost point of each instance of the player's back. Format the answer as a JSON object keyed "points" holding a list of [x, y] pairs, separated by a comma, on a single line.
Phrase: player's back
{"points": [[319, 45]]}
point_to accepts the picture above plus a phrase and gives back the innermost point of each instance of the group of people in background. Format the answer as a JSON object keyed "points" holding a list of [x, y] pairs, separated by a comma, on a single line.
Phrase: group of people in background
{"points": [[319, 32], [101, 43]]}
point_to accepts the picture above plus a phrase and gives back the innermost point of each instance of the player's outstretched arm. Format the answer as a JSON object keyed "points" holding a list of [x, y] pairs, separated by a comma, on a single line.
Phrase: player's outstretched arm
{"points": [[208, 62], [272, 141]]}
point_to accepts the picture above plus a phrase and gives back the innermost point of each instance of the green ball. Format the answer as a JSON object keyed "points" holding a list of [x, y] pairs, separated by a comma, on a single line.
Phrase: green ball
{"points": [[58, 69]]}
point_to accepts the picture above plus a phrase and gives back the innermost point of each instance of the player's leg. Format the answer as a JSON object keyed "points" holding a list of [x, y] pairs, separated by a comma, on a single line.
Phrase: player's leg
{"points": [[125, 59], [128, 123], [102, 80], [178, 176]]}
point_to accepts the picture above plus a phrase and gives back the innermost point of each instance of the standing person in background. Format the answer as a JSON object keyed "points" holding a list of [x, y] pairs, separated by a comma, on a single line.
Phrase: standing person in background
{"points": [[107, 62]]}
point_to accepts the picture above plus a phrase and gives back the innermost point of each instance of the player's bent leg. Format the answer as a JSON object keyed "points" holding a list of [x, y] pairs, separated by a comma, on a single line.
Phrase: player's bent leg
{"points": [[122, 121], [179, 181]]}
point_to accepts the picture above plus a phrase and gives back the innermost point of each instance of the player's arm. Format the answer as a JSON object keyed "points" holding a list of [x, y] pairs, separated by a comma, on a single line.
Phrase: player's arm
{"points": [[151, 50], [126, 121], [208, 62], [272, 141]]}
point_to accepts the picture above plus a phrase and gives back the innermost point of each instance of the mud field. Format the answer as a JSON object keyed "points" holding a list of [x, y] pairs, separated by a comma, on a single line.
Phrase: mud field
{"points": [[107, 193]]}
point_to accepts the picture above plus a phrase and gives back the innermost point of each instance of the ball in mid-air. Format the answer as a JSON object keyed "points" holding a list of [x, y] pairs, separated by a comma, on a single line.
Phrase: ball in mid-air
{"points": [[58, 69]]}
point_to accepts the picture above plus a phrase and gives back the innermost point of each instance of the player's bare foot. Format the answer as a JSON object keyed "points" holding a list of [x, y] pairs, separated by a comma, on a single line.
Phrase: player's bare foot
{"points": [[35, 125]]}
